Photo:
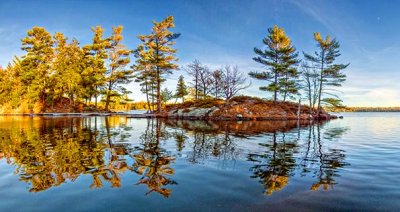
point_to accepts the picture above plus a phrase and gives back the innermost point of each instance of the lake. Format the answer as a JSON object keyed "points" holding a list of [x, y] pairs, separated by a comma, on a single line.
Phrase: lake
{"points": [[119, 164]]}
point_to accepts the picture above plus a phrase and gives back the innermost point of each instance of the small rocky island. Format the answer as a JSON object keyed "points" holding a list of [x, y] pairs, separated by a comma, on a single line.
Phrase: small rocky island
{"points": [[241, 108]]}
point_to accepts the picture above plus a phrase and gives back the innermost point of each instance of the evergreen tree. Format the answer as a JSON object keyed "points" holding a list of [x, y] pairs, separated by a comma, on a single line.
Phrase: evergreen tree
{"points": [[166, 95], [11, 89], [279, 57], [68, 66], [145, 75], [161, 54], [36, 63], [181, 89], [6, 80], [117, 73], [289, 82], [93, 76], [330, 73]]}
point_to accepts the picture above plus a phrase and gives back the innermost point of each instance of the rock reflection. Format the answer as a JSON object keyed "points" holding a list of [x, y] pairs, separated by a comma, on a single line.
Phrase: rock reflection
{"points": [[291, 148], [237, 128]]}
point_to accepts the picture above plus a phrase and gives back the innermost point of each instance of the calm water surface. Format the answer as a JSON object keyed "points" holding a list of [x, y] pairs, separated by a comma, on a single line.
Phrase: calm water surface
{"points": [[119, 164]]}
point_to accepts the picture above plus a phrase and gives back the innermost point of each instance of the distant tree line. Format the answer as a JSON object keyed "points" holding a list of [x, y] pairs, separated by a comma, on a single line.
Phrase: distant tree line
{"points": [[365, 109]]}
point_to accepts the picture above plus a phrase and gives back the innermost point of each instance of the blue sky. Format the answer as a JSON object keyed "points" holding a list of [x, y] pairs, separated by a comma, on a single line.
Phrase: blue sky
{"points": [[219, 32]]}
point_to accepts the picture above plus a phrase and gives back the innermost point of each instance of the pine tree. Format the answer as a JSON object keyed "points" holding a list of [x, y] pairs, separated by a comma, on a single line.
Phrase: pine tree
{"points": [[11, 90], [181, 89], [330, 74], [68, 66], [289, 82], [280, 58], [145, 75], [117, 73], [93, 76], [6, 81], [36, 64], [166, 95], [161, 54]]}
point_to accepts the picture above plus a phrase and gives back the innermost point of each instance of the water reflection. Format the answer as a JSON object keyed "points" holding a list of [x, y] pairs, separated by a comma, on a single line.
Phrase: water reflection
{"points": [[324, 162], [283, 158], [152, 162], [274, 166], [49, 152]]}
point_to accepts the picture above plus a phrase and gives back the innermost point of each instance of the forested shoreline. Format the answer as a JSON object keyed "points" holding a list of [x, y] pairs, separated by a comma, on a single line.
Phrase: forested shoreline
{"points": [[367, 109], [57, 74]]}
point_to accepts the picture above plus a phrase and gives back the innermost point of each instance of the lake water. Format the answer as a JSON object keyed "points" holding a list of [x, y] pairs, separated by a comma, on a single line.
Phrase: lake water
{"points": [[120, 164]]}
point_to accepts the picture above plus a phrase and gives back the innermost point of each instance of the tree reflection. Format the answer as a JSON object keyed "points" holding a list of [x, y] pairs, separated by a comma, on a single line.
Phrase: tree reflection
{"points": [[61, 150], [50, 152], [280, 161], [274, 167], [152, 162], [325, 162]]}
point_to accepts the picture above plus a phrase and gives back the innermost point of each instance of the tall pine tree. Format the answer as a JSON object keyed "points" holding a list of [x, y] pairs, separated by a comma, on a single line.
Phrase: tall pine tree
{"points": [[162, 58], [279, 57], [93, 76], [68, 66], [36, 63], [117, 74], [330, 73], [145, 75], [181, 89]]}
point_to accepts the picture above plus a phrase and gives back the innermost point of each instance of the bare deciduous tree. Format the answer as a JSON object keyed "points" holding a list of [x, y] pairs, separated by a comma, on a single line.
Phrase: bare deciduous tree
{"points": [[233, 81], [217, 84], [194, 70], [204, 81], [311, 84]]}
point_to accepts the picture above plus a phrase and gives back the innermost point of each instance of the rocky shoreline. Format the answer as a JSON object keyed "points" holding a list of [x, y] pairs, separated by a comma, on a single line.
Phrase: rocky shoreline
{"points": [[242, 108]]}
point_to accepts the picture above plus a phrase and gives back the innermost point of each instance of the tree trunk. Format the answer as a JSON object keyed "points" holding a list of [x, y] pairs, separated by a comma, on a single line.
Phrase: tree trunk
{"points": [[152, 98], [286, 88], [95, 102], [95, 98], [158, 92], [196, 88], [298, 109], [108, 96], [309, 99], [320, 85], [147, 95], [276, 79]]}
